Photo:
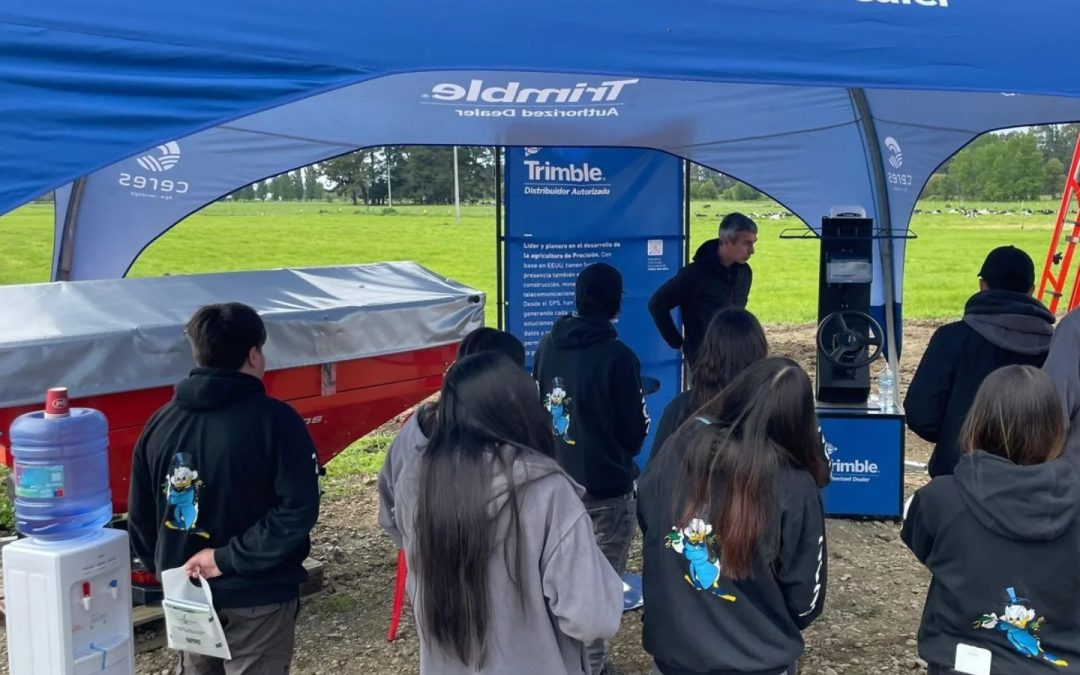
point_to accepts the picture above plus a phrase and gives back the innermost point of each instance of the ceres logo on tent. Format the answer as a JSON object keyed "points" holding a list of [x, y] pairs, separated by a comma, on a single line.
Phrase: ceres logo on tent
{"points": [[162, 159], [896, 155]]}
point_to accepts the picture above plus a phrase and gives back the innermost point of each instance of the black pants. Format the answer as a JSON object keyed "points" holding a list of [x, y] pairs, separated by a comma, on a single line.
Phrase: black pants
{"points": [[614, 523]]}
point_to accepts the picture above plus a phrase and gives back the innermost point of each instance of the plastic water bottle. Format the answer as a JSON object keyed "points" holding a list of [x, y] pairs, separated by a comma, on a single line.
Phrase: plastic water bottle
{"points": [[886, 388], [61, 470]]}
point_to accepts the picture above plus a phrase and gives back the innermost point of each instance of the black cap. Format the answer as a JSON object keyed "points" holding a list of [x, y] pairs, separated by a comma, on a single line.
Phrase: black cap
{"points": [[1007, 268], [599, 291]]}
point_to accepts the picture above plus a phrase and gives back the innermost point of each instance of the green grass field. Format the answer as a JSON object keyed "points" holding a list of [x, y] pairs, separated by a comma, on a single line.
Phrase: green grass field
{"points": [[941, 263]]}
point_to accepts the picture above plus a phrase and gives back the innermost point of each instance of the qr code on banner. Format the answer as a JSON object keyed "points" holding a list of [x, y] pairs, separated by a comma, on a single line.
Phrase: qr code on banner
{"points": [[656, 247]]}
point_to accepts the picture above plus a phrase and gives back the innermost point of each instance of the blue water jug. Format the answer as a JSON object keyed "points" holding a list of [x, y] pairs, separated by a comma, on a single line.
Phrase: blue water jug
{"points": [[61, 473]]}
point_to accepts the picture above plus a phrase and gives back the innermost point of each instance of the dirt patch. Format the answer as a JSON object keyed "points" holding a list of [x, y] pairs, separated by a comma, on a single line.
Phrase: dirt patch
{"points": [[874, 601]]}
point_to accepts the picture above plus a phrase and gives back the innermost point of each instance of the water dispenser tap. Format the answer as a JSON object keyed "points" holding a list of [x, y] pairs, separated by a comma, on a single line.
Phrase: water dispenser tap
{"points": [[114, 588], [86, 595]]}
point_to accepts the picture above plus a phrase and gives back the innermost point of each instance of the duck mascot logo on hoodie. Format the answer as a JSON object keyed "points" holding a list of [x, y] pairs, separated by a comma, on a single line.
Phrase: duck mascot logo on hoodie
{"points": [[693, 543], [182, 492], [1020, 626], [558, 404]]}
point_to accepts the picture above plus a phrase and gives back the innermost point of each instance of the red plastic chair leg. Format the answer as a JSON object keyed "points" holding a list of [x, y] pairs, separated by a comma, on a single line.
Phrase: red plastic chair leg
{"points": [[399, 596]]}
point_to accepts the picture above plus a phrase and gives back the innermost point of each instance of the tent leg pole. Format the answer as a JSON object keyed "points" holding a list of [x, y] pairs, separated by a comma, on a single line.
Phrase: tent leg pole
{"points": [[67, 236], [885, 243], [500, 244]]}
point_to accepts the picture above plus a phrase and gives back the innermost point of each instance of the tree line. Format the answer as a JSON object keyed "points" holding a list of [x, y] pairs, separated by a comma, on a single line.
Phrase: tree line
{"points": [[1006, 167], [377, 176], [1012, 166]]}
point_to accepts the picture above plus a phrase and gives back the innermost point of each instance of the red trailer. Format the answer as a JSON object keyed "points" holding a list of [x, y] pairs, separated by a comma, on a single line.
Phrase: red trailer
{"points": [[348, 347]]}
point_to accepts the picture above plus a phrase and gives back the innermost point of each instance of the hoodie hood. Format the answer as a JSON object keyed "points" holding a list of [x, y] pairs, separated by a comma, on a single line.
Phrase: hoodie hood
{"points": [[578, 332], [208, 388], [708, 253], [527, 469], [1012, 321], [1002, 495]]}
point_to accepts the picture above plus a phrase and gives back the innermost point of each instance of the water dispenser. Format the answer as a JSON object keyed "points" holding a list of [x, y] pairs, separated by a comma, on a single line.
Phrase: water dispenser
{"points": [[67, 585]]}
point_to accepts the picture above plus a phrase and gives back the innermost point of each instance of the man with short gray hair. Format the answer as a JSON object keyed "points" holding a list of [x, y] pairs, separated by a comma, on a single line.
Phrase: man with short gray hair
{"points": [[718, 277]]}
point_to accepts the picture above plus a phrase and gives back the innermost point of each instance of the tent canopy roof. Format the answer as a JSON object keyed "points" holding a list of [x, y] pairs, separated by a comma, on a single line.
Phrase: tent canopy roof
{"points": [[161, 109], [82, 87]]}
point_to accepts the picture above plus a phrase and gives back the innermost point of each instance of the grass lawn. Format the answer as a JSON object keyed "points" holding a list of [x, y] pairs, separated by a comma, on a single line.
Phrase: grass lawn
{"points": [[941, 263]]}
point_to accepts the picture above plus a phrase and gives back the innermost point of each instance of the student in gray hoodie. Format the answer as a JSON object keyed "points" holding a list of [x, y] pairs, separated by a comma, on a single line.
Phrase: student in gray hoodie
{"points": [[1063, 367], [413, 435], [1002, 325], [504, 572]]}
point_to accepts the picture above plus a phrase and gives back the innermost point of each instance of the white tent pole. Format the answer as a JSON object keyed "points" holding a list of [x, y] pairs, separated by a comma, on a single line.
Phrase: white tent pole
{"points": [[457, 190], [389, 188], [885, 242]]}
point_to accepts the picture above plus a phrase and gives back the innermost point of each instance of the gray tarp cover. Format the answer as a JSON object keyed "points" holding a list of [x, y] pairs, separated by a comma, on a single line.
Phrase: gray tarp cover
{"points": [[100, 337]]}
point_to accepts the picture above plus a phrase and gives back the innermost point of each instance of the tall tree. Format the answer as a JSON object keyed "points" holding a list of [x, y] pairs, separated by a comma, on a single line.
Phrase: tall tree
{"points": [[1025, 174], [1057, 141], [429, 174], [1055, 177], [353, 175], [246, 193], [313, 189], [295, 187]]}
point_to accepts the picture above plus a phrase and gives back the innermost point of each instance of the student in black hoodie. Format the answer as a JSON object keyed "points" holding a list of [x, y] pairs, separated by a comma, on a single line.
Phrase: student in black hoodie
{"points": [[735, 563], [733, 341], [591, 384], [224, 482], [718, 277], [1002, 538], [1002, 325]]}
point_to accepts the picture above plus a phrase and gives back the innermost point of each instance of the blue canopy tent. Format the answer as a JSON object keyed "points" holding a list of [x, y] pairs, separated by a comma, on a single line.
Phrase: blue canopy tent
{"points": [[139, 114]]}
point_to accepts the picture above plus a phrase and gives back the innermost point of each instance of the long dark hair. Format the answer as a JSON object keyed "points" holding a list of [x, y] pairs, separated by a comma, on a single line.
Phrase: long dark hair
{"points": [[763, 420], [733, 340], [1017, 414], [482, 339], [489, 415]]}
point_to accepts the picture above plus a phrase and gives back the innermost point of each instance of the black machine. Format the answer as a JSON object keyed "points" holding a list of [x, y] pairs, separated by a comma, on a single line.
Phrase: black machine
{"points": [[848, 338]]}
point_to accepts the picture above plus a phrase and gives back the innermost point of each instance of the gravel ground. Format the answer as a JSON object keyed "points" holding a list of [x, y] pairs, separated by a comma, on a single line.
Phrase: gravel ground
{"points": [[873, 605]]}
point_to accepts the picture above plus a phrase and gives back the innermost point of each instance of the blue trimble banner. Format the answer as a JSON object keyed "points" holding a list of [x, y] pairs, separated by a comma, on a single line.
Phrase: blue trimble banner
{"points": [[867, 455], [567, 208]]}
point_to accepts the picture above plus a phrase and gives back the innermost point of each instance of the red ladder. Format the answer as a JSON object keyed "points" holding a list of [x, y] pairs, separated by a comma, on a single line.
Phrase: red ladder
{"points": [[1059, 258]]}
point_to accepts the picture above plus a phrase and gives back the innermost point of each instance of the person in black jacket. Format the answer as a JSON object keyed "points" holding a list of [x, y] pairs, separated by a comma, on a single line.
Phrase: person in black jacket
{"points": [[1063, 366], [1001, 538], [718, 277], [224, 482], [591, 384], [735, 562], [733, 341], [1002, 325]]}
